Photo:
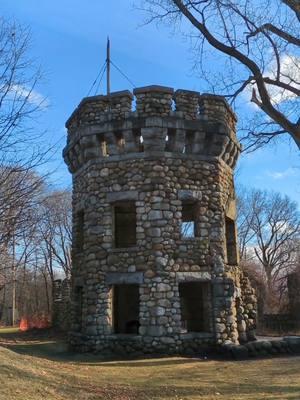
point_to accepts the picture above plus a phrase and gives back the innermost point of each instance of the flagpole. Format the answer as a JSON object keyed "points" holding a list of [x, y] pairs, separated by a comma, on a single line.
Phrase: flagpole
{"points": [[108, 66]]}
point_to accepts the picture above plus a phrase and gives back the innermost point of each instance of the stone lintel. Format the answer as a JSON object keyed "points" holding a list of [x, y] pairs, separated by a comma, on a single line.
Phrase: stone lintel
{"points": [[122, 196], [153, 88], [118, 278], [186, 195], [193, 276]]}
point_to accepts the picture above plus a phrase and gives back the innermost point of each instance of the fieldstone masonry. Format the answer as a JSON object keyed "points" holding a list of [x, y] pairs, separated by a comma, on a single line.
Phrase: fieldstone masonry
{"points": [[155, 259], [61, 304]]}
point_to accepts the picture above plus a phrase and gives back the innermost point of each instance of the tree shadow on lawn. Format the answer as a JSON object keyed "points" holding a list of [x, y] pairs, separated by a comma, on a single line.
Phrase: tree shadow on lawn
{"points": [[51, 345], [58, 351]]}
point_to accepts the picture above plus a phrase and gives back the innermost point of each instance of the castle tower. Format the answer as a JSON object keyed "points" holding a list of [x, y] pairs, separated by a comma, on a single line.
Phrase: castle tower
{"points": [[155, 258]]}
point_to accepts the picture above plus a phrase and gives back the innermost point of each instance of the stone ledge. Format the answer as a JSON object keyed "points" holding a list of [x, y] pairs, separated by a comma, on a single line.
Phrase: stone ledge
{"points": [[121, 93], [185, 194], [187, 92], [123, 249], [153, 88], [193, 276], [124, 337], [195, 335], [122, 196], [118, 278]]}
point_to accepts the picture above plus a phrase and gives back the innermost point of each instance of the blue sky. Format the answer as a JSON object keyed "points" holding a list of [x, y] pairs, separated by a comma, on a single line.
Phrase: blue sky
{"points": [[69, 41]]}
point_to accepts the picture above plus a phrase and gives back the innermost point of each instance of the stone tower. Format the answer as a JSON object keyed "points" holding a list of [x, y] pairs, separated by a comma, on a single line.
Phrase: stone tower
{"points": [[155, 258]]}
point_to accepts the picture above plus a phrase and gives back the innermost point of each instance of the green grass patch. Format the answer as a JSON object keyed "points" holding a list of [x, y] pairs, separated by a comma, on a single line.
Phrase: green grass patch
{"points": [[10, 329]]}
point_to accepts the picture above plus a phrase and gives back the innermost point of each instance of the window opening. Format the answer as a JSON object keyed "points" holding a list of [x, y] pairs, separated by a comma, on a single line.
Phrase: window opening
{"points": [[170, 140], [104, 148], [126, 308], [125, 224], [120, 141], [189, 142], [195, 301], [188, 225]]}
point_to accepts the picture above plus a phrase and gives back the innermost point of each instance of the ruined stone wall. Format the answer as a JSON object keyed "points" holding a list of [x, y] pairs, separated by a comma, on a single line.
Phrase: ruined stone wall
{"points": [[159, 156], [61, 304]]}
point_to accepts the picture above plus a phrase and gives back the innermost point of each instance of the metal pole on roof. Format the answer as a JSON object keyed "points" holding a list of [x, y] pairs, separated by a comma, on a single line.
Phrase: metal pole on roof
{"points": [[108, 66]]}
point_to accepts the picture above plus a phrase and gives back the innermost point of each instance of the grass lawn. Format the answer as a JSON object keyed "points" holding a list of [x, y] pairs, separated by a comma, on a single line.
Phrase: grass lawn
{"points": [[39, 367]]}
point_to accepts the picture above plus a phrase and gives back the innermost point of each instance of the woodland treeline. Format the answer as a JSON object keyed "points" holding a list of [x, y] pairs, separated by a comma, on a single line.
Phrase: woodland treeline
{"points": [[35, 240], [35, 250], [34, 218], [268, 226]]}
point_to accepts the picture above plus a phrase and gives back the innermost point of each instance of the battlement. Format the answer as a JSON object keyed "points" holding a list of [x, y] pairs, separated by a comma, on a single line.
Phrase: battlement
{"points": [[152, 101], [162, 120]]}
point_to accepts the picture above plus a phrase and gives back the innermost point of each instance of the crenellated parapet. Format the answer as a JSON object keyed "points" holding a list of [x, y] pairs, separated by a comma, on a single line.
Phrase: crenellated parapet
{"points": [[182, 122]]}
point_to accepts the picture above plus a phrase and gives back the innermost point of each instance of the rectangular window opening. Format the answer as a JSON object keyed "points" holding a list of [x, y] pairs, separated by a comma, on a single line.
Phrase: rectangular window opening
{"points": [[80, 230], [139, 140], [104, 148], [126, 308], [189, 142], [170, 140], [195, 299], [120, 141], [125, 224], [231, 245], [188, 225]]}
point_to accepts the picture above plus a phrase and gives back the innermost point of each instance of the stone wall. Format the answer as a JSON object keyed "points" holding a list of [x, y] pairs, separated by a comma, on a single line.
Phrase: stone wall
{"points": [[176, 148], [61, 304]]}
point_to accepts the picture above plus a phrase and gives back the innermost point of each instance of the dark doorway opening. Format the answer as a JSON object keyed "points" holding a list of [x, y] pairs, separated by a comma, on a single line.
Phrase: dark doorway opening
{"points": [[126, 309], [195, 299], [125, 224]]}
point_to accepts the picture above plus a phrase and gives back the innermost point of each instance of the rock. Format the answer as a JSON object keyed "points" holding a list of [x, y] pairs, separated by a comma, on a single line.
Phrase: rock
{"points": [[220, 327]]}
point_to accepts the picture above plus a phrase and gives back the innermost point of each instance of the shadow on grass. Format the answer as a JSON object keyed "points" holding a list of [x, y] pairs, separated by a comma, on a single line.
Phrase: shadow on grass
{"points": [[51, 345], [58, 351]]}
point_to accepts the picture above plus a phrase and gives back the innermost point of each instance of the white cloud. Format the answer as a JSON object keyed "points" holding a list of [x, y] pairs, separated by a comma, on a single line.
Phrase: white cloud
{"points": [[282, 174], [33, 96], [290, 71]]}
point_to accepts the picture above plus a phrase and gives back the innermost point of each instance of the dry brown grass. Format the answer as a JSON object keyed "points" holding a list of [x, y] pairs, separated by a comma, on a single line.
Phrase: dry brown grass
{"points": [[34, 368]]}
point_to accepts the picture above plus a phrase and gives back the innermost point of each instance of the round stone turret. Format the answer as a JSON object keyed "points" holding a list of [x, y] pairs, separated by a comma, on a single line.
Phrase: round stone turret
{"points": [[155, 260]]}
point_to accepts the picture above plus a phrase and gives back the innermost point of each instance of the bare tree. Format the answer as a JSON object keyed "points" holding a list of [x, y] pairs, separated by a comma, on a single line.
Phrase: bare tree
{"points": [[37, 252], [258, 44], [55, 231], [19, 100], [271, 231], [22, 147]]}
